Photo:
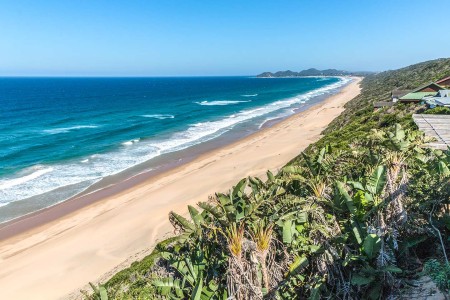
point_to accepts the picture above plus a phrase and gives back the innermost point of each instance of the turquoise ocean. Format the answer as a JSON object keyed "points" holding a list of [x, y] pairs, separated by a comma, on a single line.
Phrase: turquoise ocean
{"points": [[61, 136]]}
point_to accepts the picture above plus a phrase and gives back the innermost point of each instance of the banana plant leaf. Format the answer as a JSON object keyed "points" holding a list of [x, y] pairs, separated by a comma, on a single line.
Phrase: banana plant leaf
{"points": [[372, 245], [346, 197], [270, 176], [298, 265], [197, 292], [288, 231], [103, 293], [238, 190], [182, 221], [358, 279], [442, 169], [166, 286], [377, 181], [356, 229], [195, 215]]}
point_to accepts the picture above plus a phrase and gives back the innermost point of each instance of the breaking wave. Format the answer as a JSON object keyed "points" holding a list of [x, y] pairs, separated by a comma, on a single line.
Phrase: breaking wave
{"points": [[220, 102], [67, 129], [159, 116]]}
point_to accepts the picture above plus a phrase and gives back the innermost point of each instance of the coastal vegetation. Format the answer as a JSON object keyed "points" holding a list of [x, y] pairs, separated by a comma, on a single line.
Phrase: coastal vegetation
{"points": [[357, 215], [440, 110]]}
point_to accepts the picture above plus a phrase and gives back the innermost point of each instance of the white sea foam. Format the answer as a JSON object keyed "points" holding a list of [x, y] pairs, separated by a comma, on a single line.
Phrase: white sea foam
{"points": [[42, 179], [266, 121], [220, 102], [129, 143], [250, 95], [67, 129], [51, 178], [203, 131], [5, 184], [159, 116]]}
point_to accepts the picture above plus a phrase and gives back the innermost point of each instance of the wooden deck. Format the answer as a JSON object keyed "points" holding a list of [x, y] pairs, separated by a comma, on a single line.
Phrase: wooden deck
{"points": [[437, 126]]}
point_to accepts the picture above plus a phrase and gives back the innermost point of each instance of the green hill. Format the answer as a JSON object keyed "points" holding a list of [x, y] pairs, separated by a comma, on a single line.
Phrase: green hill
{"points": [[311, 72]]}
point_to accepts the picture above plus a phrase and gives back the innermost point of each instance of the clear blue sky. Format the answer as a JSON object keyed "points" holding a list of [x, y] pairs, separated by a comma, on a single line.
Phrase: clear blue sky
{"points": [[200, 37]]}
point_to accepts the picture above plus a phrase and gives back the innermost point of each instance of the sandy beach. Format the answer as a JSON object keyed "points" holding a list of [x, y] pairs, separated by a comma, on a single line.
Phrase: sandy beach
{"points": [[55, 258]]}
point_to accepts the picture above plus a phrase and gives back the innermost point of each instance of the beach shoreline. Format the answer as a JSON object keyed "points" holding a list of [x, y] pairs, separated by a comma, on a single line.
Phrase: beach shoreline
{"points": [[86, 240], [33, 211], [129, 178]]}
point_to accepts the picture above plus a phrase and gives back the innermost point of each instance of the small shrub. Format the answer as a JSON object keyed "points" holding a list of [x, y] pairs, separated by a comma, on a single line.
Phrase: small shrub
{"points": [[439, 272], [440, 110]]}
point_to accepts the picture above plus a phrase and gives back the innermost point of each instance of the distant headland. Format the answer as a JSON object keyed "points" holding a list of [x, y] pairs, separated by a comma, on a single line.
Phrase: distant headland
{"points": [[312, 72]]}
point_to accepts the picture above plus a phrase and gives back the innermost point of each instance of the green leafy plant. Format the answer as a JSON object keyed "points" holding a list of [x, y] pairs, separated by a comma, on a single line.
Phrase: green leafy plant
{"points": [[439, 272]]}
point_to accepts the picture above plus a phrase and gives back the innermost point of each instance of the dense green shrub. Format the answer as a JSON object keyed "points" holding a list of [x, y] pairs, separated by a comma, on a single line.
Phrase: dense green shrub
{"points": [[440, 110]]}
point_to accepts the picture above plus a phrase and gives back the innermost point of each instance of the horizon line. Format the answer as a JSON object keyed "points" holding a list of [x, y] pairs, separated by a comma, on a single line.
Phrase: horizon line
{"points": [[155, 76], [116, 76]]}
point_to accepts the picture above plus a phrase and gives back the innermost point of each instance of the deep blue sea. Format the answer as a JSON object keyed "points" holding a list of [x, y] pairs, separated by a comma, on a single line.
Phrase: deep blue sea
{"points": [[59, 136]]}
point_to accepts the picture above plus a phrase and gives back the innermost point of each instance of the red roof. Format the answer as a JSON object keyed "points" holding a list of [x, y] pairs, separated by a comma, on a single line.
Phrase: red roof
{"points": [[433, 86], [443, 80]]}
